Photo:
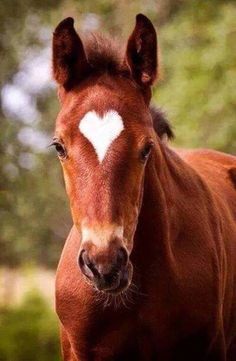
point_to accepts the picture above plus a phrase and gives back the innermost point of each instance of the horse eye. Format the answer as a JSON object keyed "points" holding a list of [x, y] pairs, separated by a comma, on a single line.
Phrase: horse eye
{"points": [[60, 149], [146, 151]]}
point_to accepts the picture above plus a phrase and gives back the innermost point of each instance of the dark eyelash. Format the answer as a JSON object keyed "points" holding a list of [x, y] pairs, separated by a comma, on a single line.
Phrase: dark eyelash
{"points": [[59, 148]]}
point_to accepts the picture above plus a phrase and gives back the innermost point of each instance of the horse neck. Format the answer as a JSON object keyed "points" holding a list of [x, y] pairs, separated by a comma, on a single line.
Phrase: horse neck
{"points": [[160, 219]]}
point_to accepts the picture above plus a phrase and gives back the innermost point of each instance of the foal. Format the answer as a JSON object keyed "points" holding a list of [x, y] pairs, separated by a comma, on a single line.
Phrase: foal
{"points": [[148, 269]]}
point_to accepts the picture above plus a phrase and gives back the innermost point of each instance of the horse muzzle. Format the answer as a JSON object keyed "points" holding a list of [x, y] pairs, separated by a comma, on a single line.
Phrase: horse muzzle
{"points": [[109, 272]]}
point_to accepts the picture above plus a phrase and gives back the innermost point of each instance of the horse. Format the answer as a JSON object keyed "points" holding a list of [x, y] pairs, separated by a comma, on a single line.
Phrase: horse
{"points": [[148, 270]]}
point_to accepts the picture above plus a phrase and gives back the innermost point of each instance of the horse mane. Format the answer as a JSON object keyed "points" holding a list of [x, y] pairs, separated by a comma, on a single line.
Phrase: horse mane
{"points": [[232, 174], [161, 124], [105, 54]]}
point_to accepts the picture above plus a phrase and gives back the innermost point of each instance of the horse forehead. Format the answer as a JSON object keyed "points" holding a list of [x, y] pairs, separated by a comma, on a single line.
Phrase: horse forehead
{"points": [[101, 130]]}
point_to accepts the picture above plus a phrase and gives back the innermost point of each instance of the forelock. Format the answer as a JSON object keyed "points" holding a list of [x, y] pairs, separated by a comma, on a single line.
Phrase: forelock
{"points": [[105, 54]]}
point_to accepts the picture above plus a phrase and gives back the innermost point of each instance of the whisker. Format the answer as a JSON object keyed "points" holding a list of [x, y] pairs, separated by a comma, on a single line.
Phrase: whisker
{"points": [[126, 298]]}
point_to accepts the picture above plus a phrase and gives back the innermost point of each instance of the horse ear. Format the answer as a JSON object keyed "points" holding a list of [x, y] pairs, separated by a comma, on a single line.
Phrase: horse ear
{"points": [[69, 60], [141, 53]]}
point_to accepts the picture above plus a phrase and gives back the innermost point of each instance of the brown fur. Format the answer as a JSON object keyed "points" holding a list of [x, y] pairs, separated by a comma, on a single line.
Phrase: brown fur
{"points": [[179, 215]]}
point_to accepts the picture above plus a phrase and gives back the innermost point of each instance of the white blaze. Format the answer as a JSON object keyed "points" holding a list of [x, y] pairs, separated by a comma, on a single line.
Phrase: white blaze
{"points": [[102, 235], [101, 131]]}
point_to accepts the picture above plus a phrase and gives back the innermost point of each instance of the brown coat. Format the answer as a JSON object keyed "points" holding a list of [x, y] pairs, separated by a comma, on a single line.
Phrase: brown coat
{"points": [[188, 300], [167, 288]]}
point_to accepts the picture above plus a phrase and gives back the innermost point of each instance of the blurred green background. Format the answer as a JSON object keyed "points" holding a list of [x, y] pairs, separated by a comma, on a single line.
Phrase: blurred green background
{"points": [[197, 89]]}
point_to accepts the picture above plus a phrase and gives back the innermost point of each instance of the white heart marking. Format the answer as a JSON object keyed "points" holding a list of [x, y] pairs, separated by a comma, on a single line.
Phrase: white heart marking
{"points": [[101, 131]]}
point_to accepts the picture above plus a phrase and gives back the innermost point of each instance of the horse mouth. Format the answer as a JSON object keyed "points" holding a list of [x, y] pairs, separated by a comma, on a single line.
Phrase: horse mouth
{"points": [[120, 283]]}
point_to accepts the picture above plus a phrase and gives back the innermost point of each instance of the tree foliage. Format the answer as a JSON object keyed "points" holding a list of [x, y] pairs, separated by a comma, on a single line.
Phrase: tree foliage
{"points": [[199, 86], [29, 331]]}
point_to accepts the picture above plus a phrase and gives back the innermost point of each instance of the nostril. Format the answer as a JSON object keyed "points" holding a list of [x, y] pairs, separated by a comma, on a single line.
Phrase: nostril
{"points": [[122, 257], [81, 259], [87, 266]]}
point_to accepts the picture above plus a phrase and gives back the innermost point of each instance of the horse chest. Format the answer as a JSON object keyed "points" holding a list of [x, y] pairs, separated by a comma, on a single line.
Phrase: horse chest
{"points": [[98, 334], [122, 344], [104, 337], [139, 345]]}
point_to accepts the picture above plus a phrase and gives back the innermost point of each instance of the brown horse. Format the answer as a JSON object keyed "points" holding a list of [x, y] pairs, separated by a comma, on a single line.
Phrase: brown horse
{"points": [[148, 270]]}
